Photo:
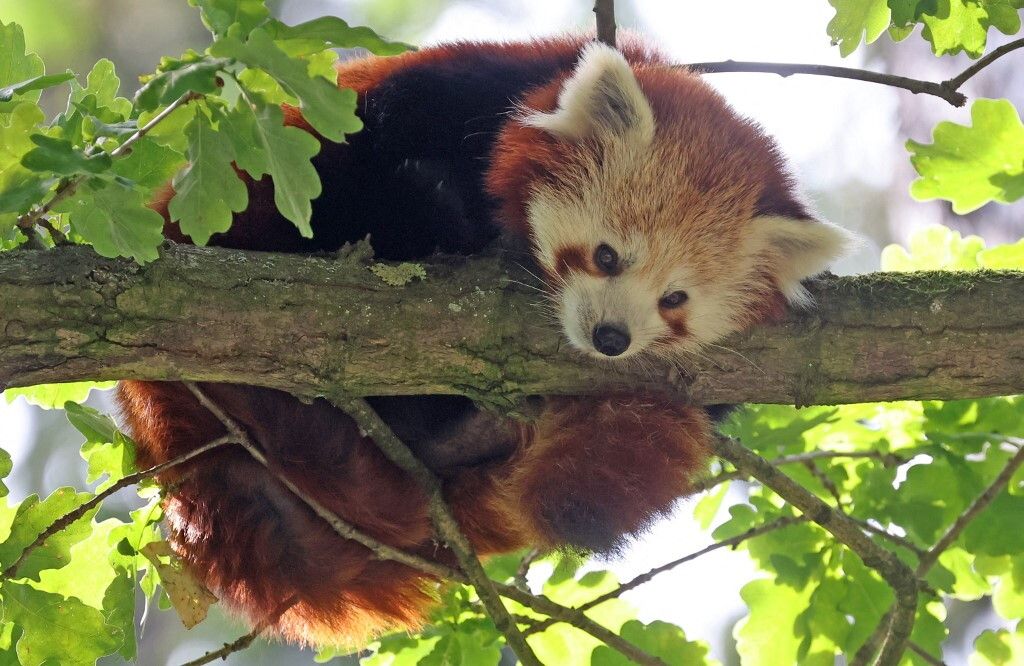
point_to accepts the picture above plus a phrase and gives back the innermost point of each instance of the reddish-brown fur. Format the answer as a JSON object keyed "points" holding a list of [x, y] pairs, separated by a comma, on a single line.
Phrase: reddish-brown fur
{"points": [[594, 468]]}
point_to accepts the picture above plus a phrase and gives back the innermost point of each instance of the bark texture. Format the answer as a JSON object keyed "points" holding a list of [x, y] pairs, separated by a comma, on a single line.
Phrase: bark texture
{"points": [[331, 326]]}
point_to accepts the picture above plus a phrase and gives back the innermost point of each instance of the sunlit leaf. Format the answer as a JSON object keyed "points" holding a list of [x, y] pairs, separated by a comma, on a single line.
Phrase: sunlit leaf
{"points": [[55, 629], [53, 396], [856, 21], [115, 221], [973, 165], [207, 191]]}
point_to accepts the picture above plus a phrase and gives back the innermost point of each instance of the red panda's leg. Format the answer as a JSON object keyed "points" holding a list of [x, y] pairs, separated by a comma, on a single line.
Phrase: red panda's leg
{"points": [[588, 472]]}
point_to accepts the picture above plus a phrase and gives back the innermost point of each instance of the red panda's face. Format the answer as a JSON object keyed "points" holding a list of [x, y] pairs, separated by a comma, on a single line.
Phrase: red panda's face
{"points": [[667, 222]]}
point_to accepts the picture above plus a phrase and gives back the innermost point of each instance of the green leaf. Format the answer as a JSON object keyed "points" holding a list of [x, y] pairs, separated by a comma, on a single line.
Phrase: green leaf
{"points": [[330, 110], [53, 396], [19, 187], [115, 221], [330, 32], [1008, 599], [31, 518], [41, 82], [55, 629], [962, 25], [857, 20], [1003, 257], [6, 465], [208, 190], [998, 531], [102, 84], [149, 165], [108, 452], [659, 639], [263, 145], [60, 156], [934, 248], [197, 74], [219, 15], [89, 572], [707, 508], [95, 426], [16, 66], [973, 165], [998, 648], [767, 636], [393, 650], [119, 611]]}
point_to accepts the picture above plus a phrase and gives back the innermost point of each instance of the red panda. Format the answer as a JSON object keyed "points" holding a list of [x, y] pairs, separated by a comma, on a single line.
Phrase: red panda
{"points": [[660, 220]]}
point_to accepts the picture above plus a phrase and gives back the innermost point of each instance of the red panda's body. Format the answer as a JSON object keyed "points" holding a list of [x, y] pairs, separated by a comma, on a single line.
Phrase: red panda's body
{"points": [[660, 220]]}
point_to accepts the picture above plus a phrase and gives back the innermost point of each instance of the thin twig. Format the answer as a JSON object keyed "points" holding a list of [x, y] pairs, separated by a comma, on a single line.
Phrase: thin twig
{"points": [[343, 528], [578, 619], [604, 12], [643, 578], [887, 458], [957, 81], [374, 427], [948, 90], [68, 186], [245, 641], [963, 520], [70, 517], [916, 86], [924, 654], [524, 567], [897, 574], [903, 542]]}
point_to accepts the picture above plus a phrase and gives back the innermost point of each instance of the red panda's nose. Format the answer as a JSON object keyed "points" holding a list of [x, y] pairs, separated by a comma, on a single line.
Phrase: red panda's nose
{"points": [[610, 340]]}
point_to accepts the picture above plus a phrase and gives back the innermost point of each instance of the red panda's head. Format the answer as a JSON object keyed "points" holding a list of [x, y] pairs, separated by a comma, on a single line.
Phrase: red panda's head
{"points": [[661, 219]]}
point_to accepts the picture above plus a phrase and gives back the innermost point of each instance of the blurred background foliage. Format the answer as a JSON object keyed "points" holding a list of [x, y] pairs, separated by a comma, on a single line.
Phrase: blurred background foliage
{"points": [[844, 138]]}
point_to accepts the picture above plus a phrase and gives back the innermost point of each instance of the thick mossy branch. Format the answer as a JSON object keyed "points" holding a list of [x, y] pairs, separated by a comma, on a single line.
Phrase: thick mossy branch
{"points": [[313, 325]]}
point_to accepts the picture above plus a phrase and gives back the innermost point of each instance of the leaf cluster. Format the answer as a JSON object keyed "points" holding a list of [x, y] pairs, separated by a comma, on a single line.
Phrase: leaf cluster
{"points": [[201, 119]]}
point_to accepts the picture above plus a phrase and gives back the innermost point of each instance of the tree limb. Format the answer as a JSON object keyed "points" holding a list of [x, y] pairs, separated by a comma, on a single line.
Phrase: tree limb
{"points": [[310, 325], [898, 575], [70, 517], [648, 576], [604, 12], [948, 90]]}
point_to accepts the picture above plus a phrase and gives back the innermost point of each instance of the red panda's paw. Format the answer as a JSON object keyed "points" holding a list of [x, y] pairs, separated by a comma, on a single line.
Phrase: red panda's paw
{"points": [[598, 470]]}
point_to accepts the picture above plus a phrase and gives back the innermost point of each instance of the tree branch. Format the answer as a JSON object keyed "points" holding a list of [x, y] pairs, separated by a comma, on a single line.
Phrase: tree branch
{"points": [[929, 559], [897, 574], [648, 576], [375, 428], [604, 12], [71, 516], [242, 642], [799, 458], [931, 556], [308, 325], [344, 529], [916, 86], [578, 619], [68, 186], [948, 90]]}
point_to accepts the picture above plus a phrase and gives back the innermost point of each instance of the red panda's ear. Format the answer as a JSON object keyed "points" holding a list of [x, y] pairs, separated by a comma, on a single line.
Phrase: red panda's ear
{"points": [[600, 99], [795, 249]]}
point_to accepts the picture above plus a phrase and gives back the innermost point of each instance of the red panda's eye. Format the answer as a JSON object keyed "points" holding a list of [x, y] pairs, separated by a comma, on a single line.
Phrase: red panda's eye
{"points": [[606, 259], [673, 300]]}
